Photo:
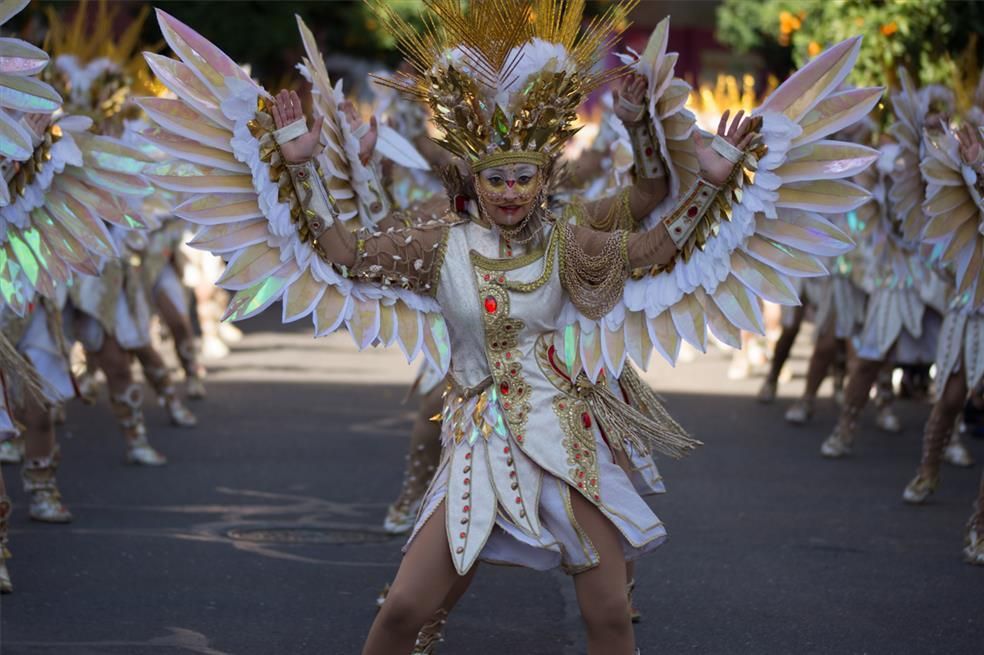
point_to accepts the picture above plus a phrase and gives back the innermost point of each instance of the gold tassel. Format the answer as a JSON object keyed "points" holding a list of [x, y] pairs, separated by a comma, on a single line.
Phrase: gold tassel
{"points": [[625, 424], [642, 396], [13, 361]]}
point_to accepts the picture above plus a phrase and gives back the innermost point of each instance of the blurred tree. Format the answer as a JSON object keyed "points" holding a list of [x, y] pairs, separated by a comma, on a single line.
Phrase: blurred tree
{"points": [[935, 39], [263, 33]]}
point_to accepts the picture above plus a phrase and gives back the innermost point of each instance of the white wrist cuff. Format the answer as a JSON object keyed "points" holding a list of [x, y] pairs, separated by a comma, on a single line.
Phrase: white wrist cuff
{"points": [[290, 132], [361, 131], [726, 150], [637, 110]]}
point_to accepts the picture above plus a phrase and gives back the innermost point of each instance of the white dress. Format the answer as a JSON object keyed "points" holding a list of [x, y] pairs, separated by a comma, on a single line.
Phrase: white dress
{"points": [[518, 440]]}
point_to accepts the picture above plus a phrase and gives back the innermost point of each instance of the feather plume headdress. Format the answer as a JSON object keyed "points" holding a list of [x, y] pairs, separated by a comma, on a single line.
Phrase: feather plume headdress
{"points": [[504, 78]]}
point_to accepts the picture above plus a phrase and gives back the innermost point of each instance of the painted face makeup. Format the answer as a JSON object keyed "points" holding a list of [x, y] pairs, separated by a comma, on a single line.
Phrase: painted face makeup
{"points": [[508, 192]]}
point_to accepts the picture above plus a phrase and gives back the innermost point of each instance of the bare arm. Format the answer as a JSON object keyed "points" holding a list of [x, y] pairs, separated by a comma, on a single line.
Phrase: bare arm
{"points": [[407, 257], [636, 201], [595, 264], [397, 256], [626, 209]]}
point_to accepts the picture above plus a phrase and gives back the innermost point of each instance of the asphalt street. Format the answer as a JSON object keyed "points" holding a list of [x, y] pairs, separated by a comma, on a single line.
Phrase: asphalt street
{"points": [[262, 536]]}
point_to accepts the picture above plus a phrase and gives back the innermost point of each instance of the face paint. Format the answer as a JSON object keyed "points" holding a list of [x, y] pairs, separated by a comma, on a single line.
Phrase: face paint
{"points": [[513, 184], [508, 192]]}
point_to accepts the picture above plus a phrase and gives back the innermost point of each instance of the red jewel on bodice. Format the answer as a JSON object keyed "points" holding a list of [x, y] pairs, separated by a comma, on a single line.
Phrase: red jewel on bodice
{"points": [[504, 388], [491, 305], [586, 420]]}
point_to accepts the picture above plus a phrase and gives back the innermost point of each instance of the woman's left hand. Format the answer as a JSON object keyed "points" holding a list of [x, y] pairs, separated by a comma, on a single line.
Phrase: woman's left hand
{"points": [[629, 101], [715, 168]]}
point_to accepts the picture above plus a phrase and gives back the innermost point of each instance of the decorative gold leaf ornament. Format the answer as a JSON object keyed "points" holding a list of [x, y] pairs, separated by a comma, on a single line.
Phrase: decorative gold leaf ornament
{"points": [[26, 171]]}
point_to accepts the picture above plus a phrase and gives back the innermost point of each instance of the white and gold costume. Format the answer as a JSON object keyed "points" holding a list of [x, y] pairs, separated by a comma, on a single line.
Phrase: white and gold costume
{"points": [[58, 202], [531, 329], [950, 222]]}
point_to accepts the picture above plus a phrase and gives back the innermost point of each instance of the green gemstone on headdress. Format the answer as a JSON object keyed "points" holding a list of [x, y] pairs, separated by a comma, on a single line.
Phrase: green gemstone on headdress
{"points": [[500, 123]]}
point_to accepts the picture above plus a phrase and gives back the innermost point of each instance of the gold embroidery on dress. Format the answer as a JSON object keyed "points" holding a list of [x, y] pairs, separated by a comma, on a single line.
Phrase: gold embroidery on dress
{"points": [[576, 422], [579, 442], [501, 346]]}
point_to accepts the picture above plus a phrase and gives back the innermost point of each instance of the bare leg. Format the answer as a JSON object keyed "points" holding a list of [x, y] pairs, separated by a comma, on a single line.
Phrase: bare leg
{"points": [[942, 419], [784, 346], [86, 379], [160, 379], [432, 633], [422, 584], [864, 372], [179, 325], [634, 613], [6, 586], [840, 370], [601, 590], [885, 399], [824, 353], [126, 397], [421, 462], [974, 552], [41, 460]]}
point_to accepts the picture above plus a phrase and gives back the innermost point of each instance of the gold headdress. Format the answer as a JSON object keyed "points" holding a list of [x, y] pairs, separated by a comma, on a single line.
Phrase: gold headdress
{"points": [[95, 69], [504, 78]]}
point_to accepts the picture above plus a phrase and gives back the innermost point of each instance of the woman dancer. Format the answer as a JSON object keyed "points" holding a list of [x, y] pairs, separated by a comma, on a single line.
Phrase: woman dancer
{"points": [[516, 300], [953, 166], [902, 321]]}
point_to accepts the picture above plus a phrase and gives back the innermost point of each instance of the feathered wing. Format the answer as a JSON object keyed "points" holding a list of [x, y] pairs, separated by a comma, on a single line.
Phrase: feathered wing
{"points": [[353, 185], [224, 156], [892, 260], [771, 224], [954, 216], [20, 92], [908, 188], [79, 185], [63, 191]]}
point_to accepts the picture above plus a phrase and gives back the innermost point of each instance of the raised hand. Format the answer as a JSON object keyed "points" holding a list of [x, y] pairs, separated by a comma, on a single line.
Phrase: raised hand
{"points": [[970, 144], [287, 108], [367, 135], [630, 101], [715, 168]]}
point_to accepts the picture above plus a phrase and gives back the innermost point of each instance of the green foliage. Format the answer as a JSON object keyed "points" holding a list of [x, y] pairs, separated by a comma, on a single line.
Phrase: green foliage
{"points": [[263, 33], [934, 39]]}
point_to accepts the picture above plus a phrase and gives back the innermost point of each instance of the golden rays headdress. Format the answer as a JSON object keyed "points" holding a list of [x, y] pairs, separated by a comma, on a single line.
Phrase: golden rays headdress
{"points": [[504, 78], [91, 41]]}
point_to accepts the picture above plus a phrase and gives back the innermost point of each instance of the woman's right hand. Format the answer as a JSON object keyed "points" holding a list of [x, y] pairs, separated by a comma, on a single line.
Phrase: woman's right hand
{"points": [[970, 144], [287, 108]]}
